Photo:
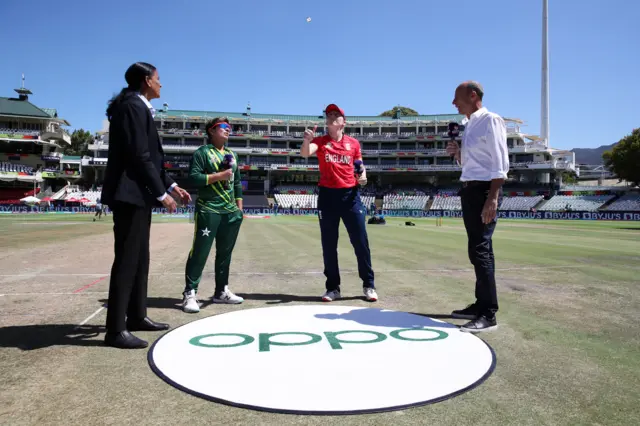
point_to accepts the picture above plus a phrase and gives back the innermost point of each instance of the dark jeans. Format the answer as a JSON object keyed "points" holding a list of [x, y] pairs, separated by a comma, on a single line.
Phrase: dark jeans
{"points": [[473, 197], [345, 204]]}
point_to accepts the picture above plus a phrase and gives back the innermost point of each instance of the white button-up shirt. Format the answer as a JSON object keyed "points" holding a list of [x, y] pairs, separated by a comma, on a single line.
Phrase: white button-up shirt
{"points": [[148, 104], [484, 153]]}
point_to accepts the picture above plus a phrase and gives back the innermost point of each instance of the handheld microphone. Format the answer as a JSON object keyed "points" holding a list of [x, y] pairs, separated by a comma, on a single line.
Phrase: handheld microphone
{"points": [[227, 163], [454, 130], [357, 167]]}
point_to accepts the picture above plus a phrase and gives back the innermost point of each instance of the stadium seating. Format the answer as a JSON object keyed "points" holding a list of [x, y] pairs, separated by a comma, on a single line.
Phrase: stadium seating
{"points": [[305, 201], [92, 196], [15, 168], [446, 203], [255, 201], [301, 189], [576, 188], [520, 203], [19, 131], [404, 202], [629, 203], [367, 200], [575, 202]]}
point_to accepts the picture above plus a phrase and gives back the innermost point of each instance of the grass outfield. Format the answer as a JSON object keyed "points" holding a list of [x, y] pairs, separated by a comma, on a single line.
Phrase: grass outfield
{"points": [[567, 346]]}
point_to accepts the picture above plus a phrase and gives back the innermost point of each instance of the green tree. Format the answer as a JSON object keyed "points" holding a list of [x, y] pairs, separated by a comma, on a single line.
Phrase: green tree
{"points": [[406, 111], [624, 158], [80, 139], [569, 178]]}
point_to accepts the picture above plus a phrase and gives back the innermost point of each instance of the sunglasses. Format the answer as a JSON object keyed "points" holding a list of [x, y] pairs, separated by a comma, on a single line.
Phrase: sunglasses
{"points": [[223, 126]]}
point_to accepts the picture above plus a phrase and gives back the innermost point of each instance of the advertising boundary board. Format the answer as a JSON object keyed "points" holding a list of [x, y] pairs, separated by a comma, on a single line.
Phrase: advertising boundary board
{"points": [[182, 212], [166, 379]]}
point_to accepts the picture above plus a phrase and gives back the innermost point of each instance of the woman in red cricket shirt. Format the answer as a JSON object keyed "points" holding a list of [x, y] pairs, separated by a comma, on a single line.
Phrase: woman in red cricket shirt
{"points": [[339, 198]]}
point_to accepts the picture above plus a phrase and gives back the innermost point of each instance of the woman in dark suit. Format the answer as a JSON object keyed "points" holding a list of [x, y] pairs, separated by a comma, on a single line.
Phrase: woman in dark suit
{"points": [[135, 181]]}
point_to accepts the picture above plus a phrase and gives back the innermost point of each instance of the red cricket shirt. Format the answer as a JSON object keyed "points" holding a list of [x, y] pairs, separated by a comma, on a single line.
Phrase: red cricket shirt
{"points": [[335, 160]]}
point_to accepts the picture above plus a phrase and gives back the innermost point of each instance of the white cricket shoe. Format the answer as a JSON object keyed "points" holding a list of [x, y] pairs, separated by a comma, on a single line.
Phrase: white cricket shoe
{"points": [[190, 303], [370, 294], [330, 296], [227, 297]]}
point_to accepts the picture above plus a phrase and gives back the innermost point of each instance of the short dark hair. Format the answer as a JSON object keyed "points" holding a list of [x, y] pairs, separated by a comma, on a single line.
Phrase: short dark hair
{"points": [[213, 122], [474, 86]]}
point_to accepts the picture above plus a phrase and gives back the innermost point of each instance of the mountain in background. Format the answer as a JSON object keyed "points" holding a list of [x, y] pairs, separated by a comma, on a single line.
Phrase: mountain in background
{"points": [[591, 155]]}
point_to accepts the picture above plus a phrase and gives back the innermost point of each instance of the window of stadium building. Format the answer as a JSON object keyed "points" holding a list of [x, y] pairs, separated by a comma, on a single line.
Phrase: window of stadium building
{"points": [[20, 148], [237, 144], [524, 158]]}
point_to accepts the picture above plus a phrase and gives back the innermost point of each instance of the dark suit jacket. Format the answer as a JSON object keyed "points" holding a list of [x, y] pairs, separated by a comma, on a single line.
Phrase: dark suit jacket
{"points": [[135, 169]]}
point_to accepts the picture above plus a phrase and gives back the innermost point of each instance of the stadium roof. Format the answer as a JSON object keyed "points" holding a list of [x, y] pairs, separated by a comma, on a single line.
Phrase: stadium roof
{"points": [[172, 113], [51, 111], [17, 107]]}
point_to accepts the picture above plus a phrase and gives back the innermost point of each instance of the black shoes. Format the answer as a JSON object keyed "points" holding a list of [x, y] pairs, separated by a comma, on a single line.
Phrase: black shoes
{"points": [[479, 321], [480, 324], [124, 340], [471, 312], [146, 324]]}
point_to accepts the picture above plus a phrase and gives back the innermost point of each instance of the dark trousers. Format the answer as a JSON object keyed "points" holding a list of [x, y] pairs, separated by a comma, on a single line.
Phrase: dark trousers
{"points": [[209, 226], [345, 204], [130, 270], [473, 198]]}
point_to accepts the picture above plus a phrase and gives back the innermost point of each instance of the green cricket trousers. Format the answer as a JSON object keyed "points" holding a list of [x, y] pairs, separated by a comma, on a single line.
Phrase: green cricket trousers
{"points": [[209, 226]]}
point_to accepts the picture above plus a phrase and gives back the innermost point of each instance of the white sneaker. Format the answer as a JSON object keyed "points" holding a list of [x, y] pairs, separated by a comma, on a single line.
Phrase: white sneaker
{"points": [[190, 303], [227, 297], [330, 296], [370, 294]]}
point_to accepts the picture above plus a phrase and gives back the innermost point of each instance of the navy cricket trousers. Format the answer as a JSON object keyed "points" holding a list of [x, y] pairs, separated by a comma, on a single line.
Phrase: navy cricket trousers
{"points": [[345, 204]]}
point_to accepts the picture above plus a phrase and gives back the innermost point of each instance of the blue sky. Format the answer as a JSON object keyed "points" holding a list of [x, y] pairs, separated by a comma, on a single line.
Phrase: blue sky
{"points": [[365, 55]]}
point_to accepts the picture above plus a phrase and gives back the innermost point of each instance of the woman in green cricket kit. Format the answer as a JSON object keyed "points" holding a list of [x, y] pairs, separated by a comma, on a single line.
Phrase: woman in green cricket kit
{"points": [[218, 215]]}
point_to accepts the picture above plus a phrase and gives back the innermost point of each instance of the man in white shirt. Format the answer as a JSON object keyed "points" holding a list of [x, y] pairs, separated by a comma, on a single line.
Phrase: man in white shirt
{"points": [[485, 162]]}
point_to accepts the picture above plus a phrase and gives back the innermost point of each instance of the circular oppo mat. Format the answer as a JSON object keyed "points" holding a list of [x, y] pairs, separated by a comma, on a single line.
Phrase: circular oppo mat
{"points": [[321, 359]]}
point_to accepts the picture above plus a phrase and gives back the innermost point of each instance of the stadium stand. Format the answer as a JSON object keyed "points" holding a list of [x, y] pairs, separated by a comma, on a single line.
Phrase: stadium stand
{"points": [[588, 203], [91, 196], [520, 202], [16, 168], [255, 201], [400, 202], [14, 195], [446, 203], [305, 201], [628, 202], [295, 189]]}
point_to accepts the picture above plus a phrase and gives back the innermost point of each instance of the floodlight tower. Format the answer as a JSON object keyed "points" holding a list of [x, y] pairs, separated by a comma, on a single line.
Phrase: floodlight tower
{"points": [[544, 104]]}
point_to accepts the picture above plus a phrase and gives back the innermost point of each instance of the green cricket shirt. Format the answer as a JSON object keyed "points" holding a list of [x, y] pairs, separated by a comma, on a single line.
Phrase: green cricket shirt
{"points": [[212, 196]]}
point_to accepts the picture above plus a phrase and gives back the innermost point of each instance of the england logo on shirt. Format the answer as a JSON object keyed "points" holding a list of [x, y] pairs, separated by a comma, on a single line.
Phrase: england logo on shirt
{"points": [[347, 146]]}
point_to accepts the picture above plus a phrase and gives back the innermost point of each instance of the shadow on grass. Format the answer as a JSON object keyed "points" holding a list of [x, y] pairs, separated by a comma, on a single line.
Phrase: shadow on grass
{"points": [[31, 337], [275, 298]]}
